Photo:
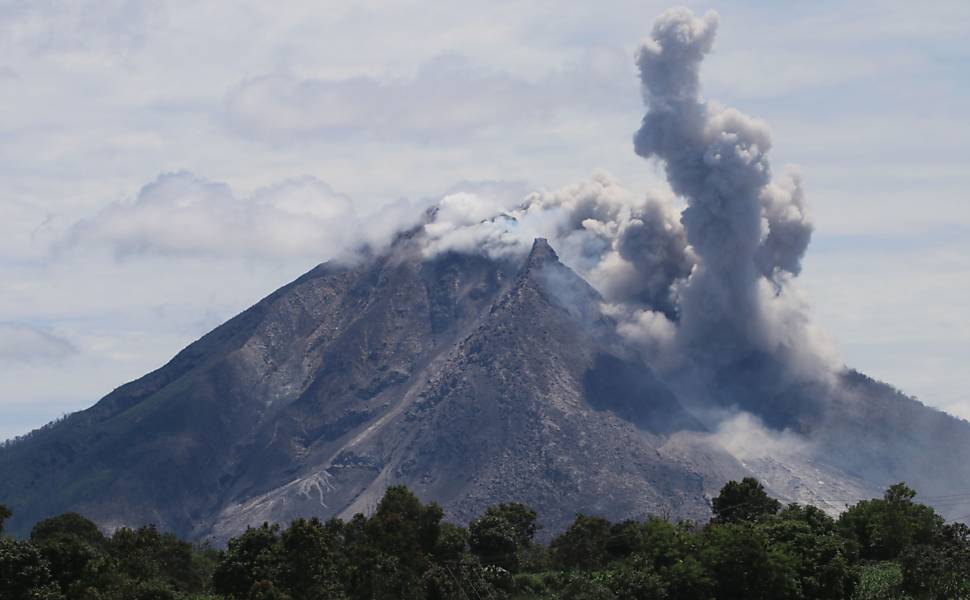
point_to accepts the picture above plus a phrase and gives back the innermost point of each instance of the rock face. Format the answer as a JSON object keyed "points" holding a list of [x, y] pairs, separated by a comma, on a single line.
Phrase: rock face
{"points": [[473, 381]]}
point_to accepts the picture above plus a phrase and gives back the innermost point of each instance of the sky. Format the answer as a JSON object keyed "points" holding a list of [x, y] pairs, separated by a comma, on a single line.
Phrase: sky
{"points": [[165, 165]]}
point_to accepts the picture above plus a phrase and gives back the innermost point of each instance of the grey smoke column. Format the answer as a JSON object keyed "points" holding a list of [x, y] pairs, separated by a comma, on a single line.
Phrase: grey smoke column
{"points": [[748, 233]]}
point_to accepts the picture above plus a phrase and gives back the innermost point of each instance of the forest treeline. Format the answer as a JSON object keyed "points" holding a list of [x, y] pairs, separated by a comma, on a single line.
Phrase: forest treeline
{"points": [[753, 548]]}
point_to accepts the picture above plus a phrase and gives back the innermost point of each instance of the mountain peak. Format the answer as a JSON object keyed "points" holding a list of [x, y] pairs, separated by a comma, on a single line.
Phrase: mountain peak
{"points": [[541, 253]]}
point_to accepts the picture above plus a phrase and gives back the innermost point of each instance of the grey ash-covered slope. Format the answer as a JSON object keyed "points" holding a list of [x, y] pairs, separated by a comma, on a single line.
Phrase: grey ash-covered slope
{"points": [[471, 380]]}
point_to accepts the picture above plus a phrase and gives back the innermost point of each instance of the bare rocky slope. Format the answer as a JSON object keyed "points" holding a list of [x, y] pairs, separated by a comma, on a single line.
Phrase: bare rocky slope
{"points": [[471, 380]]}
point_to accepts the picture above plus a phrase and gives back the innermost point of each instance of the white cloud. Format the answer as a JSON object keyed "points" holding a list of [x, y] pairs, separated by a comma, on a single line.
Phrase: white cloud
{"points": [[450, 99], [181, 214], [20, 343]]}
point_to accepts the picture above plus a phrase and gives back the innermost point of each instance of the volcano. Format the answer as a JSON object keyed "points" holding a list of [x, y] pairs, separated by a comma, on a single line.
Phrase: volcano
{"points": [[471, 380], [666, 353]]}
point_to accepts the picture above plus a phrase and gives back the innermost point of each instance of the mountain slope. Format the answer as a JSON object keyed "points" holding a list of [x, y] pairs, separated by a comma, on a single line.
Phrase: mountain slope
{"points": [[471, 380]]}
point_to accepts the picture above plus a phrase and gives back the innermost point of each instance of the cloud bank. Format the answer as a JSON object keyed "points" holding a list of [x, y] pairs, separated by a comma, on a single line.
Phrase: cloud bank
{"points": [[181, 214], [26, 344], [449, 99]]}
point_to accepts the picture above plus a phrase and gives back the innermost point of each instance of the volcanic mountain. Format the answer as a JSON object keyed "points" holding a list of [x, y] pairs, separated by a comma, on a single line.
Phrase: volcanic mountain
{"points": [[471, 380], [465, 360]]}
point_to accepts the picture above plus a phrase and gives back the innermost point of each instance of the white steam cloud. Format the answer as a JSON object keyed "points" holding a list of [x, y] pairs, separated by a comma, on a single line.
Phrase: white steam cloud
{"points": [[633, 250], [181, 214]]}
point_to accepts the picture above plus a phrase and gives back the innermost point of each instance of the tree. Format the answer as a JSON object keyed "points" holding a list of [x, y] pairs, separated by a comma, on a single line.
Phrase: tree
{"points": [[495, 541], [637, 580], [879, 581], [146, 554], [815, 518], [745, 566], [4, 515], [583, 545], [390, 551], [403, 527], [451, 544], [818, 552], [265, 590], [24, 574], [502, 534], [308, 566], [941, 569], [68, 525], [76, 551], [743, 501], [521, 517], [881, 529], [250, 557]]}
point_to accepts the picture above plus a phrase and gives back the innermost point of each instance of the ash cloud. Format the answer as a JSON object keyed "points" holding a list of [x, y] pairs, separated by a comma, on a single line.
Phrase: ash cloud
{"points": [[633, 250], [707, 292], [748, 231]]}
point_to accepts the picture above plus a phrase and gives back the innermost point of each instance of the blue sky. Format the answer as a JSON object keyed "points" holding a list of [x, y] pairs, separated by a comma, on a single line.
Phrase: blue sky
{"points": [[297, 119]]}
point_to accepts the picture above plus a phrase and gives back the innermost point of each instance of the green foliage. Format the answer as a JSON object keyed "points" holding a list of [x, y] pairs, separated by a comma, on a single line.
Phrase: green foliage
{"points": [[809, 537], [637, 580], [308, 561], [394, 547], [940, 570], [4, 515], [75, 549], [249, 558], [743, 501], [746, 566], [583, 545], [24, 574], [68, 525], [148, 555], [494, 540], [503, 535], [584, 586], [881, 529], [879, 581], [452, 543], [521, 517], [530, 585], [403, 527], [265, 590], [890, 548]]}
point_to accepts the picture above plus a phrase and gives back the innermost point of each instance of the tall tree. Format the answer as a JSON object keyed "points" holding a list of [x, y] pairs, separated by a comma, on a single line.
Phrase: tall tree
{"points": [[743, 501]]}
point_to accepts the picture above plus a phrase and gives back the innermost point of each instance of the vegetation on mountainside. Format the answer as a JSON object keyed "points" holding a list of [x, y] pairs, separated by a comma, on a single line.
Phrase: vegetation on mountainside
{"points": [[753, 548]]}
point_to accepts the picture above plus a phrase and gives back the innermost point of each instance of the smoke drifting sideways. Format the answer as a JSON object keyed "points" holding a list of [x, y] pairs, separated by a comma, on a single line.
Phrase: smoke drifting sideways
{"points": [[707, 294]]}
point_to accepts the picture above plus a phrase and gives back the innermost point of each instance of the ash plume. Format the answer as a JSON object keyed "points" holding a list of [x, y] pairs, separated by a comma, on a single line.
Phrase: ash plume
{"points": [[706, 293], [633, 250], [748, 231]]}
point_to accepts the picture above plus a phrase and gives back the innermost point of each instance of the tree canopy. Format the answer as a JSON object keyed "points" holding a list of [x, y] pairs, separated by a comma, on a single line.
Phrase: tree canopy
{"points": [[753, 548]]}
